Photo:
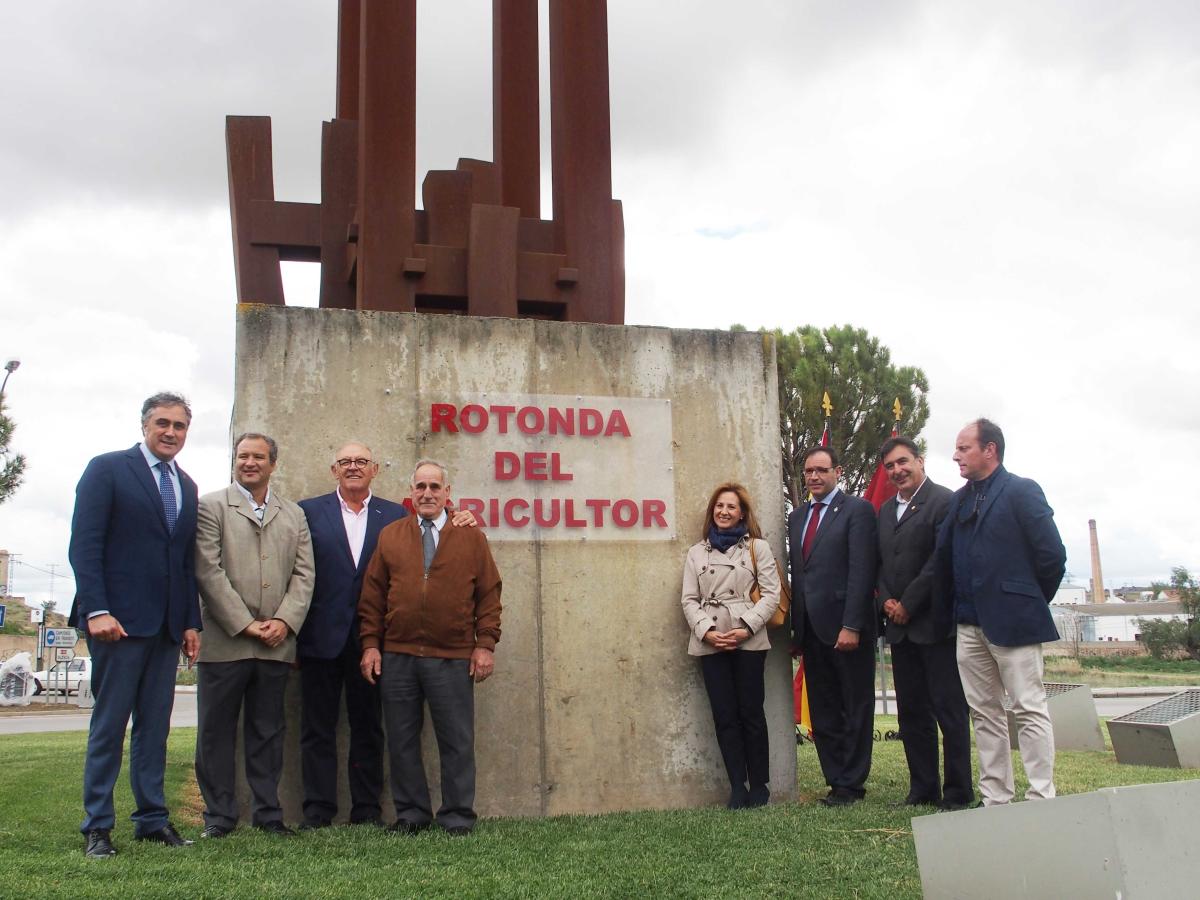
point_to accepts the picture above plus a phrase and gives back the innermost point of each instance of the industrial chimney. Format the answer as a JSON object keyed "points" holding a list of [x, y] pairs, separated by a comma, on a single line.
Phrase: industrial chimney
{"points": [[1098, 595]]}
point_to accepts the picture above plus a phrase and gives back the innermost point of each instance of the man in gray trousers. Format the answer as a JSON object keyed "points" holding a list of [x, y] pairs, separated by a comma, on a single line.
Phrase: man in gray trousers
{"points": [[254, 567]]}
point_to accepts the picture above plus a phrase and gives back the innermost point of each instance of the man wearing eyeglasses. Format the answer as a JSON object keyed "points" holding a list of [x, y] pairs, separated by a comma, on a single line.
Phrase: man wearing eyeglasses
{"points": [[430, 611], [833, 551], [345, 527], [1000, 554]]}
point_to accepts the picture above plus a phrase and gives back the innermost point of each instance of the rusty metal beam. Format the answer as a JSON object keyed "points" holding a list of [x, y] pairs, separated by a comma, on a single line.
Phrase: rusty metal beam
{"points": [[492, 261], [339, 159], [349, 23], [387, 124], [581, 153], [515, 103], [293, 228], [248, 156]]}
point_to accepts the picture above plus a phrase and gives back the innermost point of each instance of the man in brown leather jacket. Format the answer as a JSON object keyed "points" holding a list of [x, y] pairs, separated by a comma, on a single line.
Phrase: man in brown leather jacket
{"points": [[430, 612]]}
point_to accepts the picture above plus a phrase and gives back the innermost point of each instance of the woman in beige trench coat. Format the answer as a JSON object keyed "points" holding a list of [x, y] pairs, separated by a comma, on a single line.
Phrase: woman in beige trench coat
{"points": [[729, 635]]}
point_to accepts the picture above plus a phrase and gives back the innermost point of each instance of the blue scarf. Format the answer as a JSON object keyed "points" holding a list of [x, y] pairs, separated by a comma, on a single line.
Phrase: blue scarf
{"points": [[724, 538]]}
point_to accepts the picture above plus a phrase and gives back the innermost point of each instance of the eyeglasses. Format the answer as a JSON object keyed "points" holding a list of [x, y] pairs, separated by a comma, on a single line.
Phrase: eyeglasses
{"points": [[359, 463], [817, 470]]}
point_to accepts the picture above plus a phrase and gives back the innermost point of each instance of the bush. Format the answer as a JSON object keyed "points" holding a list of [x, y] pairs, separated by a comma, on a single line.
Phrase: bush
{"points": [[1164, 640]]}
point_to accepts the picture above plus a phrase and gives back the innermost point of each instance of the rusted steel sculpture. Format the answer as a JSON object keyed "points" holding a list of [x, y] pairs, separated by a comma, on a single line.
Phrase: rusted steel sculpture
{"points": [[479, 246]]}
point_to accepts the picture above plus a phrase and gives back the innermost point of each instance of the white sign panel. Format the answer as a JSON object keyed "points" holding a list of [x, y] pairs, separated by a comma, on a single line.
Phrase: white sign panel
{"points": [[64, 654], [555, 467], [35, 616], [61, 637]]}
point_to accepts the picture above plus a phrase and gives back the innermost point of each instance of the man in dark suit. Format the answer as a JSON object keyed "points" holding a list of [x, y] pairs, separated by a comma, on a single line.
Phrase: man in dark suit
{"points": [[920, 629], [833, 551], [132, 540], [345, 526], [1000, 555]]}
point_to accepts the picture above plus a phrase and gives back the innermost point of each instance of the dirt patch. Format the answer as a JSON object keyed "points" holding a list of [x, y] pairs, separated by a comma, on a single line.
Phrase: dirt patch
{"points": [[41, 708]]}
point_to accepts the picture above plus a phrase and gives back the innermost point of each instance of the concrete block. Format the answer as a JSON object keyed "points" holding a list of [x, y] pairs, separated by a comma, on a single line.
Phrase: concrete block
{"points": [[1128, 842], [1164, 733], [595, 705], [1073, 718]]}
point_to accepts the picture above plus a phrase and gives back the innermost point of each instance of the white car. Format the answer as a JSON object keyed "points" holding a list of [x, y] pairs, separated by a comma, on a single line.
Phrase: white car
{"points": [[63, 677]]}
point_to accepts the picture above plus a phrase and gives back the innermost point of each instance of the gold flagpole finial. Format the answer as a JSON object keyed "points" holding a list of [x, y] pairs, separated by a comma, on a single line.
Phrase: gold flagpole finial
{"points": [[896, 408], [826, 405]]}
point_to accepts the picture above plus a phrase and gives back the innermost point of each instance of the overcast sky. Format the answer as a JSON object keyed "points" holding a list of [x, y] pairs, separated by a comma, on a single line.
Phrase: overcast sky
{"points": [[1006, 194]]}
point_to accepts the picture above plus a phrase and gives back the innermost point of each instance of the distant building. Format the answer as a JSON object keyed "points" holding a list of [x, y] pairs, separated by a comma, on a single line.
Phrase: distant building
{"points": [[1070, 595], [1143, 594], [1112, 621]]}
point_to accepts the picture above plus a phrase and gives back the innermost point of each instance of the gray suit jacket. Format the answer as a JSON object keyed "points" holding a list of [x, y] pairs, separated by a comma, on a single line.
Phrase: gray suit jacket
{"points": [[249, 572], [907, 563]]}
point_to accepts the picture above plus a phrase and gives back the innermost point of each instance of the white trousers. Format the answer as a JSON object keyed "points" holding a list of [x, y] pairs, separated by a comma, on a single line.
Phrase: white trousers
{"points": [[987, 672]]}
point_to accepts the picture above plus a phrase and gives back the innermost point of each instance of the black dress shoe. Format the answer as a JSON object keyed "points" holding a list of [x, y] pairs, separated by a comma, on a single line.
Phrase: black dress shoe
{"points": [[276, 827], [165, 835], [99, 844], [953, 805], [215, 831], [921, 801], [315, 824], [759, 795], [459, 830], [374, 820], [839, 797], [403, 826]]}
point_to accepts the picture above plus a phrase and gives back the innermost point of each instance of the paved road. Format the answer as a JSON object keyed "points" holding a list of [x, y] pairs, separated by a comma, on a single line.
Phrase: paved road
{"points": [[183, 715]]}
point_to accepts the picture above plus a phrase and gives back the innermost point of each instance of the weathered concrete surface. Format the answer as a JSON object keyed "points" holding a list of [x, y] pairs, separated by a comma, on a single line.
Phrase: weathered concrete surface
{"points": [[1116, 842], [595, 705]]}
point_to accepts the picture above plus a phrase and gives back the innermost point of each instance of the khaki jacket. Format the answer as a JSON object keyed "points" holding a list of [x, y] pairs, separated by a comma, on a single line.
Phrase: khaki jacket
{"points": [[716, 593], [248, 571]]}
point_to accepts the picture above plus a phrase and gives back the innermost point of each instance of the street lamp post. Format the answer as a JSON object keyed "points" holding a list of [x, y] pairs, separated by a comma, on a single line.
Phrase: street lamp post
{"points": [[9, 367]]}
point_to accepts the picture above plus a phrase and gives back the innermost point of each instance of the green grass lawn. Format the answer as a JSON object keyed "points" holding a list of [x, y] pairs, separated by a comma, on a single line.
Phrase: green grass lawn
{"points": [[786, 850], [1123, 671]]}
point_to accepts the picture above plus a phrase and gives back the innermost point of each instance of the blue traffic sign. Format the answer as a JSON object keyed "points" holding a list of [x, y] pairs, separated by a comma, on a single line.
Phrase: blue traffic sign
{"points": [[61, 637]]}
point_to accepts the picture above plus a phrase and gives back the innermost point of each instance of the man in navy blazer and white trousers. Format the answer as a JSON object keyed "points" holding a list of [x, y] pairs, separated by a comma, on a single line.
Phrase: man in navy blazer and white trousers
{"points": [[344, 526], [834, 553], [1000, 554], [132, 542]]}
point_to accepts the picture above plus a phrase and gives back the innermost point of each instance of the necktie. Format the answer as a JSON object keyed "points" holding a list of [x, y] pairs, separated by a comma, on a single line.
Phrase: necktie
{"points": [[428, 547], [811, 531], [167, 491]]}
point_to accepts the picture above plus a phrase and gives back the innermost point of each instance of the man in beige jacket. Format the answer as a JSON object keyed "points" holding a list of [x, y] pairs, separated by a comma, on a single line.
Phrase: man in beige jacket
{"points": [[254, 568]]}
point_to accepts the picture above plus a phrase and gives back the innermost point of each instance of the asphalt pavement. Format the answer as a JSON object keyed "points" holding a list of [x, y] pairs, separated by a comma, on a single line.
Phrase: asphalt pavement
{"points": [[1110, 702], [15, 722]]}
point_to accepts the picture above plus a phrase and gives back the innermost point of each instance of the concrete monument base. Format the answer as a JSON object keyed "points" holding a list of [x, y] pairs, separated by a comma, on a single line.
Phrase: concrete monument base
{"points": [[588, 452], [1116, 842]]}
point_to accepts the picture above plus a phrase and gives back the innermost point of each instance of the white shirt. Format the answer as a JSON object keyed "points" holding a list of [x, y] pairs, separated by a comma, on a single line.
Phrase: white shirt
{"points": [[355, 524], [438, 524], [259, 511], [902, 504], [828, 501]]}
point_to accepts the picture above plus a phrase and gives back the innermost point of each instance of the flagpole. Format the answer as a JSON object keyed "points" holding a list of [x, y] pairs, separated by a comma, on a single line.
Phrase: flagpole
{"points": [[896, 410]]}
